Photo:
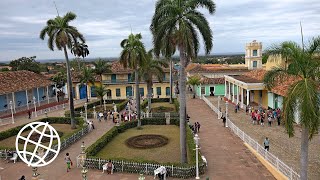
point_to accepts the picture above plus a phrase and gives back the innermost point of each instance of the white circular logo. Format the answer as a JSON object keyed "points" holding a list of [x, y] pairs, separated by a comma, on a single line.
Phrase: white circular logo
{"points": [[37, 144]]}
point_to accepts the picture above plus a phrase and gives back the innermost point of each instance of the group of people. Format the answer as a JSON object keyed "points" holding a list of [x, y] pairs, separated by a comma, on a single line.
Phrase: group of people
{"points": [[260, 115], [196, 127]]}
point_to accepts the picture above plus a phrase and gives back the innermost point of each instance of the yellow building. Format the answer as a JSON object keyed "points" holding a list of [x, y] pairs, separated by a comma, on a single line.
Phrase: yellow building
{"points": [[82, 91], [121, 85]]}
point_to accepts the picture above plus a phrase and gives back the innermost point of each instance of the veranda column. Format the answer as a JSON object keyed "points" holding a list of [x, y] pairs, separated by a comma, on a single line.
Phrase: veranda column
{"points": [[241, 97], [233, 91], [229, 95], [248, 93], [27, 99], [48, 94], [14, 102], [225, 88], [238, 89], [38, 96]]}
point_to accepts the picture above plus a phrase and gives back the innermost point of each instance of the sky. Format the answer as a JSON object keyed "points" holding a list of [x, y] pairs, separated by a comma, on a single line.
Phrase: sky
{"points": [[104, 23]]}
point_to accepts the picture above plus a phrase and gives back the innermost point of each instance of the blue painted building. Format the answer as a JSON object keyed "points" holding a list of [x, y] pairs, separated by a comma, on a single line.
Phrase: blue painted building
{"points": [[23, 90]]}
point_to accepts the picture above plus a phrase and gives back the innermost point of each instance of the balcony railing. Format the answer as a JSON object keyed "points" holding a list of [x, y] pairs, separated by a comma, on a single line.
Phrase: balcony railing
{"points": [[126, 81]]}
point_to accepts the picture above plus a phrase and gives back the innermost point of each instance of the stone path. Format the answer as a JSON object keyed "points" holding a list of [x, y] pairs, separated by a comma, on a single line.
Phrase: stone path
{"points": [[285, 148], [227, 156]]}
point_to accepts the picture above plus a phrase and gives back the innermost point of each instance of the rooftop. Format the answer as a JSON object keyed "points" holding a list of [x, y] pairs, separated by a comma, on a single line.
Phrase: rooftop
{"points": [[206, 80], [117, 68], [15, 81], [213, 68]]}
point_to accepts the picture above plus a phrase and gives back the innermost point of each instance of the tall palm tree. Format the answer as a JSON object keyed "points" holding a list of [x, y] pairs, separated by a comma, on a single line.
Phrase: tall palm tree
{"points": [[101, 67], [283, 50], [152, 68], [182, 22], [101, 91], [86, 77], [303, 95], [62, 35], [133, 56], [80, 50]]}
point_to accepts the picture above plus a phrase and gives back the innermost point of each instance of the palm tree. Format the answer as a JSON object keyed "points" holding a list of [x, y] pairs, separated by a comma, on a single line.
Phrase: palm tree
{"points": [[101, 67], [283, 50], [181, 22], [194, 81], [152, 68], [101, 91], [62, 35], [87, 77], [80, 50], [133, 56], [302, 95]]}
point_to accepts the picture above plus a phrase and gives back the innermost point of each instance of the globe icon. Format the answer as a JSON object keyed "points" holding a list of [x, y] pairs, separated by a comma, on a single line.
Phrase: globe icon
{"points": [[39, 151]]}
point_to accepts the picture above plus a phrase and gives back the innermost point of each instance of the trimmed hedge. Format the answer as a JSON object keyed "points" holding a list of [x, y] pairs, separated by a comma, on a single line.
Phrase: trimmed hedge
{"points": [[113, 132], [52, 120], [144, 104]]}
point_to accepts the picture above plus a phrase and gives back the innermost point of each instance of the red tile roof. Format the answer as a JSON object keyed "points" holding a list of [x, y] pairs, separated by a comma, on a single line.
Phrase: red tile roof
{"points": [[15, 81], [212, 68], [117, 68], [75, 77]]}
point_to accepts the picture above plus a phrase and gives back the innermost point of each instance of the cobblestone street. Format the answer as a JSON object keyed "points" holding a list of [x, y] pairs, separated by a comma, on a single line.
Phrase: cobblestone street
{"points": [[287, 149]]}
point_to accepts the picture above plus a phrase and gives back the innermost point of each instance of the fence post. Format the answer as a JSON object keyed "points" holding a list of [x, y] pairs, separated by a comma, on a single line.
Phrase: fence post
{"points": [[277, 162], [146, 168], [122, 165], [99, 163], [291, 173], [172, 170]]}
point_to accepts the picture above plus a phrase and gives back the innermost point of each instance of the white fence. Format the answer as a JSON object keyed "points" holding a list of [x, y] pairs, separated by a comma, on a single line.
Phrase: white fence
{"points": [[8, 120], [272, 159]]}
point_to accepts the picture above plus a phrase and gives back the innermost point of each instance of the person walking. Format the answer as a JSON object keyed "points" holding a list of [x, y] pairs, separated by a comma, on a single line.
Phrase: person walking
{"points": [[29, 114], [198, 126], [224, 120], [266, 144], [195, 128], [68, 162]]}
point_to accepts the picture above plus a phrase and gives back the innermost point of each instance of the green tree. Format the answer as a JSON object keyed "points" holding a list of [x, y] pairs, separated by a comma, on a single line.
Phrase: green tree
{"points": [[101, 67], [101, 91], [303, 95], [133, 56], [62, 35], [60, 79], [151, 69], [284, 50], [25, 63], [194, 81], [80, 50], [182, 22], [86, 77]]}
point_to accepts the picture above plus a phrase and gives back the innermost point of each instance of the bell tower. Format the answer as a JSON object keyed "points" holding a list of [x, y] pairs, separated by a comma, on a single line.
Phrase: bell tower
{"points": [[253, 56]]}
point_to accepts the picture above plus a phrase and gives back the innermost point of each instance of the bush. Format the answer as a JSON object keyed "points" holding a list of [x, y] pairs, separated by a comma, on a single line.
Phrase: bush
{"points": [[122, 105]]}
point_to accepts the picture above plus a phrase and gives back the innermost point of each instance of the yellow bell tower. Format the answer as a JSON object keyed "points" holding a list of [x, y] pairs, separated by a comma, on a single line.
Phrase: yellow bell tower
{"points": [[253, 56]]}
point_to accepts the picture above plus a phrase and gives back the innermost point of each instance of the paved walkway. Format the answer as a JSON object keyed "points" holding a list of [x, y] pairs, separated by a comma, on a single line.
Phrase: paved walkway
{"points": [[227, 157], [287, 149]]}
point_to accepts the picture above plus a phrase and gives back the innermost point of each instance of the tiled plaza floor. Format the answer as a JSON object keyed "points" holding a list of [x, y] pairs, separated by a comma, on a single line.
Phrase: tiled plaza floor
{"points": [[287, 149]]}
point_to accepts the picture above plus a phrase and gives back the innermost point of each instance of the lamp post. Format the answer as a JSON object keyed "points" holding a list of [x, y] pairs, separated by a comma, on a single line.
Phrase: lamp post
{"points": [[81, 113], [129, 111], [94, 112], [227, 103], [11, 108], [196, 139], [104, 104], [85, 109], [218, 107], [147, 111], [35, 107]]}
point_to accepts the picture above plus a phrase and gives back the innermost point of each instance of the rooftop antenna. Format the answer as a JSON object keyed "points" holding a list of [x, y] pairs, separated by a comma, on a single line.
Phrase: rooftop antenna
{"points": [[56, 7], [131, 28], [301, 36]]}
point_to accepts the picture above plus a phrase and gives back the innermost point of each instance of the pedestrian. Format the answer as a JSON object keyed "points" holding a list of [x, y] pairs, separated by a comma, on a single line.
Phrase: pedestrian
{"points": [[266, 144], [235, 108], [92, 125], [198, 126], [29, 114], [223, 120], [22, 178], [269, 120], [195, 128], [68, 162]]}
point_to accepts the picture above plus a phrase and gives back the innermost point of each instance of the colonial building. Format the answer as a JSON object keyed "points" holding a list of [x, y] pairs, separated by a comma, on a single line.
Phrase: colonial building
{"points": [[83, 90], [21, 90], [121, 84]]}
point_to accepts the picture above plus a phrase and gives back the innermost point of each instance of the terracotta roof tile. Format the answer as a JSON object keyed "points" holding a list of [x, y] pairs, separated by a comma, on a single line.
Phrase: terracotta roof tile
{"points": [[117, 68], [282, 85], [75, 76], [15, 81], [211, 68], [206, 80]]}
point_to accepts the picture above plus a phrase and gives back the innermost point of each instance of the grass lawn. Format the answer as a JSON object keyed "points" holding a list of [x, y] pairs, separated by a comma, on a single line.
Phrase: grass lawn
{"points": [[162, 107], [63, 128], [117, 148]]}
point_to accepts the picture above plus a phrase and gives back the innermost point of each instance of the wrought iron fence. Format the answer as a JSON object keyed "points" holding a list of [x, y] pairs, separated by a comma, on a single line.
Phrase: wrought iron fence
{"points": [[272, 159]]}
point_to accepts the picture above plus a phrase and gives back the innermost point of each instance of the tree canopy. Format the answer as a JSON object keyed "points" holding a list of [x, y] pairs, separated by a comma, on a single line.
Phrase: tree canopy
{"points": [[25, 63]]}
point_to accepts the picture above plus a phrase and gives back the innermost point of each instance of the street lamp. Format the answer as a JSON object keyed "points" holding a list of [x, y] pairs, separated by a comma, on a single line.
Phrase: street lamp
{"points": [[128, 104], [35, 107], [196, 139], [11, 108], [218, 107], [227, 103], [94, 112], [147, 111], [85, 109]]}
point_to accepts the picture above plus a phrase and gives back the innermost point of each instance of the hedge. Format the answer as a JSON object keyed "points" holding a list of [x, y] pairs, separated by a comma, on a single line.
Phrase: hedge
{"points": [[144, 104], [52, 120], [113, 132]]}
